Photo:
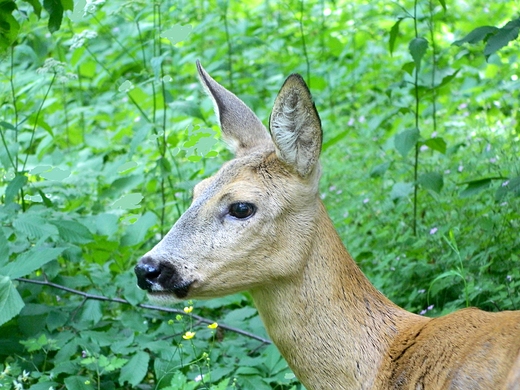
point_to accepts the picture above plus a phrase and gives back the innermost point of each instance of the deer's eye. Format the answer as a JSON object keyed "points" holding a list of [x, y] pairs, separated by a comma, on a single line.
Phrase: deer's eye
{"points": [[242, 210]]}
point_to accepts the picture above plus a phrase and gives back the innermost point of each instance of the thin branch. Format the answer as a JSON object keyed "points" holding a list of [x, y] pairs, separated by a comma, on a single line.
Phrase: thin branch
{"points": [[144, 306]]}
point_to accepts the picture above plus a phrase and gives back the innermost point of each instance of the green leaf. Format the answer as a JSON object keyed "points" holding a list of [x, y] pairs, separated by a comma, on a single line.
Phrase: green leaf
{"points": [[34, 226], [432, 181], [4, 248], [10, 301], [30, 261], [9, 26], [475, 186], [437, 144], [405, 141], [443, 3], [135, 370], [418, 47], [37, 7], [44, 385], [56, 174], [14, 187], [187, 108], [78, 383], [177, 33], [502, 38], [72, 231], [135, 233], [401, 190], [55, 10], [92, 311], [477, 35], [129, 201], [379, 170], [447, 79], [394, 32]]}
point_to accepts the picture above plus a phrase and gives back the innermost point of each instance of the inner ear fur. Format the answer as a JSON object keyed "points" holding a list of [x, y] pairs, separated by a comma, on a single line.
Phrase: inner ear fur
{"points": [[295, 126]]}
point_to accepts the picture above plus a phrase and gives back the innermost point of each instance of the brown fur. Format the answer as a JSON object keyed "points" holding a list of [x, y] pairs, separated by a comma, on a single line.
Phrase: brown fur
{"points": [[334, 328]]}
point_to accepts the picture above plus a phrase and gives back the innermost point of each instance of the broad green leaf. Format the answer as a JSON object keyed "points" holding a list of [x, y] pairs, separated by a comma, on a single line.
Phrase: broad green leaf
{"points": [[394, 32], [57, 174], [406, 141], [418, 47], [34, 226], [447, 79], [91, 311], [37, 7], [135, 370], [177, 33], [30, 261], [477, 35], [73, 231], [129, 201], [502, 37], [401, 190], [431, 181], [4, 249], [437, 144], [187, 108], [379, 170], [10, 301], [9, 25], [135, 233], [126, 86], [79, 7], [45, 385], [475, 186], [78, 383], [14, 187], [443, 3], [68, 5], [55, 10]]}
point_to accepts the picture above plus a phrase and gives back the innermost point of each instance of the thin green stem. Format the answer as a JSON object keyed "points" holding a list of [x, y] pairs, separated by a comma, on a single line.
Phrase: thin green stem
{"points": [[417, 107], [33, 131], [230, 47], [304, 45]]}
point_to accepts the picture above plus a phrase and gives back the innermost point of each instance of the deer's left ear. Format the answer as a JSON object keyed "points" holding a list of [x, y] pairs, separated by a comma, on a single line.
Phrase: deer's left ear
{"points": [[296, 127]]}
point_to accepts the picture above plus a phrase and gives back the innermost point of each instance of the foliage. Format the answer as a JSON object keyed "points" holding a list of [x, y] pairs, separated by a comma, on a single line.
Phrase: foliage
{"points": [[105, 129]]}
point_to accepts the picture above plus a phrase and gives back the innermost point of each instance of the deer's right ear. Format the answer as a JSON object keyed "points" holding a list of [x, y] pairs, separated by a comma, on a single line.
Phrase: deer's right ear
{"points": [[241, 128], [296, 127]]}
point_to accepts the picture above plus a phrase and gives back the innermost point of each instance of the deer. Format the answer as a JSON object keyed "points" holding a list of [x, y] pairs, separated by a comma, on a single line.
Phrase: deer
{"points": [[259, 225]]}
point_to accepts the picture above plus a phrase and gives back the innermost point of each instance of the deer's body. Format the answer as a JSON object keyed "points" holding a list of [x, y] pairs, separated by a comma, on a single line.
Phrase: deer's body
{"points": [[259, 225]]}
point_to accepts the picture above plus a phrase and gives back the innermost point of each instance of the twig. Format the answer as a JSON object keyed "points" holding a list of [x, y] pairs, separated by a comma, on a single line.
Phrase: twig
{"points": [[144, 306]]}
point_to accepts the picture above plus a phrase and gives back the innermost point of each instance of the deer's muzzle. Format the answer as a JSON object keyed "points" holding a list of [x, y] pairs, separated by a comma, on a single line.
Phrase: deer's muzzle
{"points": [[160, 278]]}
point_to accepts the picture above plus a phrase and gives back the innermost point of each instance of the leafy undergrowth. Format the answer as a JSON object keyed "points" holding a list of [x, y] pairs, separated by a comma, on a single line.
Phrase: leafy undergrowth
{"points": [[105, 130]]}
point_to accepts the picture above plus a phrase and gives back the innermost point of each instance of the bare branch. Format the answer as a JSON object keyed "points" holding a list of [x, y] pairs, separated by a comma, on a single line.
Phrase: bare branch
{"points": [[144, 306]]}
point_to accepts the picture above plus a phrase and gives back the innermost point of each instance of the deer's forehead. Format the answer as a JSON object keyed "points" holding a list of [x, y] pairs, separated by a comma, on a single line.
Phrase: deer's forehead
{"points": [[256, 171]]}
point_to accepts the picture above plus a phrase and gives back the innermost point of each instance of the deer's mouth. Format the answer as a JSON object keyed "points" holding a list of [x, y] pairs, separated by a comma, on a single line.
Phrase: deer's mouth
{"points": [[161, 280], [177, 290]]}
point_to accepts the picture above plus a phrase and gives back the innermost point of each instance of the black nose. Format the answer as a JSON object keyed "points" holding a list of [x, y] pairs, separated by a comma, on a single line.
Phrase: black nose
{"points": [[147, 273]]}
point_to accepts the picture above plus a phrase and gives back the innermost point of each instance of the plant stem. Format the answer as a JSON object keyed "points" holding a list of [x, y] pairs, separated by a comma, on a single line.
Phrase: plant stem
{"points": [[304, 46]]}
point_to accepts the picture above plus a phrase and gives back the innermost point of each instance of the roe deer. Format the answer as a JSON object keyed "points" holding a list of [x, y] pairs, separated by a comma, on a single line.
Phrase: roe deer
{"points": [[259, 225]]}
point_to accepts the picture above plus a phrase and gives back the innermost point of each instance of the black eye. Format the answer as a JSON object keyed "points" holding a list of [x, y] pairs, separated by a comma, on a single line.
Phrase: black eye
{"points": [[242, 210]]}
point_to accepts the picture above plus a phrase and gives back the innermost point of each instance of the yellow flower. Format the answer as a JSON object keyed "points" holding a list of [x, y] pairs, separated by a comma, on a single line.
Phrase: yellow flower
{"points": [[188, 309], [188, 335], [213, 325]]}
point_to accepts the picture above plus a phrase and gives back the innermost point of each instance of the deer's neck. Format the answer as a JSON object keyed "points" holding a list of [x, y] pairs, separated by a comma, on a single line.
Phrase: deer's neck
{"points": [[331, 325]]}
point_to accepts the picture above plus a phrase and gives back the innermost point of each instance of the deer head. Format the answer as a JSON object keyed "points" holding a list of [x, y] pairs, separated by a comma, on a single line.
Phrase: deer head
{"points": [[250, 224]]}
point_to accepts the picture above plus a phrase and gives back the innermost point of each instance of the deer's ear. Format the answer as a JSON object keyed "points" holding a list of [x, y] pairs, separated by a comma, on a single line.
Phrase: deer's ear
{"points": [[295, 126], [241, 128]]}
